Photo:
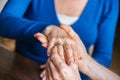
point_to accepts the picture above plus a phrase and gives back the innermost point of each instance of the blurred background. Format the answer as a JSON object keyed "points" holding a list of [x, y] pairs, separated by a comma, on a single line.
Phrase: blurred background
{"points": [[10, 44]]}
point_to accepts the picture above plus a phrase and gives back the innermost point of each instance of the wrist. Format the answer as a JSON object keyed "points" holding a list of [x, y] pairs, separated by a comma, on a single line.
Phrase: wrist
{"points": [[88, 65], [83, 64], [92, 69]]}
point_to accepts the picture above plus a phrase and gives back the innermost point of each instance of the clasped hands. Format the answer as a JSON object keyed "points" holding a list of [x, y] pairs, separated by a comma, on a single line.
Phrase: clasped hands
{"points": [[67, 54]]}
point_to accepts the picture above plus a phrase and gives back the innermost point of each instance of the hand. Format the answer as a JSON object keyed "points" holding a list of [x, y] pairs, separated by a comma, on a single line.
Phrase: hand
{"points": [[55, 36], [79, 48], [80, 54], [57, 69], [43, 72]]}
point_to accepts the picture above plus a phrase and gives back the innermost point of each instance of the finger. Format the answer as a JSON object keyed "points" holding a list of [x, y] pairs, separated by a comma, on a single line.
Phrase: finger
{"points": [[61, 51], [50, 46], [56, 60], [45, 45], [54, 73], [75, 53], [60, 65], [42, 66], [68, 54], [81, 51], [70, 31], [49, 76], [44, 78], [42, 38], [43, 73]]}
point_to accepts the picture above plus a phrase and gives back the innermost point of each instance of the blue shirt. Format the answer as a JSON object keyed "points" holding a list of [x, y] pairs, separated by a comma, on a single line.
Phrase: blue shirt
{"points": [[21, 19]]}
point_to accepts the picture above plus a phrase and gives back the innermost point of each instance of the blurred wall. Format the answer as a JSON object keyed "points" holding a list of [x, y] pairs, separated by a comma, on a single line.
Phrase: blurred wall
{"points": [[2, 3]]}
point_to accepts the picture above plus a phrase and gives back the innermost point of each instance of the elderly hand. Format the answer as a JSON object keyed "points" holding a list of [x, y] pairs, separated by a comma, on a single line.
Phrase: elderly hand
{"points": [[52, 36], [55, 36], [57, 69], [79, 48]]}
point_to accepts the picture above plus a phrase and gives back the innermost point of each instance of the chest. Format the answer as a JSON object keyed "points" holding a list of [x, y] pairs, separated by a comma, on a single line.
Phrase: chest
{"points": [[70, 7]]}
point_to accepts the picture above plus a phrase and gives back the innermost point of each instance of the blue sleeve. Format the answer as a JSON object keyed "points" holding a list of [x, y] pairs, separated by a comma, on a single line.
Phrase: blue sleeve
{"points": [[14, 26], [106, 32], [16, 7]]}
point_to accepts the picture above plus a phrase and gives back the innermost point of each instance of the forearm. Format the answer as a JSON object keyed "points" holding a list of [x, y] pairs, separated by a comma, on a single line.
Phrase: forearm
{"points": [[97, 72], [19, 28]]}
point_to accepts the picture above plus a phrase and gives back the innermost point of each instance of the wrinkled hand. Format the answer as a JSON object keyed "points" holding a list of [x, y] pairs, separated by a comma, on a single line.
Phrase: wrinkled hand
{"points": [[52, 36], [55, 36], [79, 48], [57, 69]]}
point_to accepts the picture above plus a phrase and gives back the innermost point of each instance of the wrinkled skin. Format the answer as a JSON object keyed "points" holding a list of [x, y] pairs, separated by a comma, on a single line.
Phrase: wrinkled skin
{"points": [[75, 50], [57, 69]]}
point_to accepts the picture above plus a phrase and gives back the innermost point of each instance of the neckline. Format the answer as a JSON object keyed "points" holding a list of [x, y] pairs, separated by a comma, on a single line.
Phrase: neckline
{"points": [[80, 17], [68, 20], [67, 15]]}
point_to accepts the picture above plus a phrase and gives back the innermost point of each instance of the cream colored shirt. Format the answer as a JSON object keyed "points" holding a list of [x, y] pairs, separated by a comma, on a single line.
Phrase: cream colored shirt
{"points": [[67, 20]]}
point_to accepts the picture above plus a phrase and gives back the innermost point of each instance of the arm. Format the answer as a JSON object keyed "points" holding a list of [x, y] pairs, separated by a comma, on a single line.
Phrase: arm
{"points": [[106, 31], [89, 66], [98, 72], [86, 64], [13, 25], [57, 69]]}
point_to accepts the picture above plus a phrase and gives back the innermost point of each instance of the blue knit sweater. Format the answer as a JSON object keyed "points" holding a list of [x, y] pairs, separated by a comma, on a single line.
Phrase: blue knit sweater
{"points": [[21, 19]]}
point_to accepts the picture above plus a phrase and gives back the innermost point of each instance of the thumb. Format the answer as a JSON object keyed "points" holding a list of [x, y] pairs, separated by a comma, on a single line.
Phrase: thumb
{"points": [[70, 31], [66, 28], [42, 38]]}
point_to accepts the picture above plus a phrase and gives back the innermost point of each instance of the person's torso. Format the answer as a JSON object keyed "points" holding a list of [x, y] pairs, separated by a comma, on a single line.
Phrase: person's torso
{"points": [[86, 26]]}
